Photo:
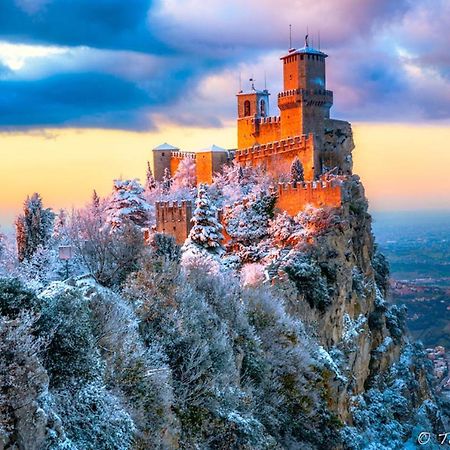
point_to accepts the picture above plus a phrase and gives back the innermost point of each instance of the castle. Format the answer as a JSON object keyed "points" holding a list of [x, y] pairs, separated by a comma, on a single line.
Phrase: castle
{"points": [[303, 129]]}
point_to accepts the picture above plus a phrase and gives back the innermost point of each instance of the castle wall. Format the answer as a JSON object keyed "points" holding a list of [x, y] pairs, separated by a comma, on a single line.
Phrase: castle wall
{"points": [[174, 219], [204, 167], [293, 198], [253, 130], [276, 157]]}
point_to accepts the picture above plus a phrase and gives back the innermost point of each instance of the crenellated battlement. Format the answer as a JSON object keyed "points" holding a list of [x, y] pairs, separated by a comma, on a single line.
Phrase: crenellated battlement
{"points": [[181, 155], [263, 120], [174, 218], [293, 197], [276, 157], [306, 93]]}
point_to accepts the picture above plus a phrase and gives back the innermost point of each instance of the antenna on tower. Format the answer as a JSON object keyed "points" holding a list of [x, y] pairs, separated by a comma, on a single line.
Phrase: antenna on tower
{"points": [[265, 80], [319, 38], [290, 36], [306, 37], [240, 82]]}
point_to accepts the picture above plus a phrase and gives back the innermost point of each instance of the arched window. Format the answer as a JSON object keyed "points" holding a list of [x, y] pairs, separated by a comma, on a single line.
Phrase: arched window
{"points": [[247, 108], [262, 108]]}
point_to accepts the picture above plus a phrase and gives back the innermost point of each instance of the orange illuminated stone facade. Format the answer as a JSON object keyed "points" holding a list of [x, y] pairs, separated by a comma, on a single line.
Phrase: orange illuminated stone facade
{"points": [[318, 193], [303, 129], [304, 106]]}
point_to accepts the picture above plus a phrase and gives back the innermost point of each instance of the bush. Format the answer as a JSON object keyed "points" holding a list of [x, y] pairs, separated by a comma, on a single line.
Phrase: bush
{"points": [[71, 351], [309, 280], [15, 297]]}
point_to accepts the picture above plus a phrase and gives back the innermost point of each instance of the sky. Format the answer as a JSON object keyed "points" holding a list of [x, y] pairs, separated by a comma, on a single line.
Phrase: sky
{"points": [[87, 88]]}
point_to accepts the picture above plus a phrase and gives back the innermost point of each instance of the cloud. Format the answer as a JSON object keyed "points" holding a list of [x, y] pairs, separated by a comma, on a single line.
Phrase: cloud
{"points": [[114, 24], [130, 65]]}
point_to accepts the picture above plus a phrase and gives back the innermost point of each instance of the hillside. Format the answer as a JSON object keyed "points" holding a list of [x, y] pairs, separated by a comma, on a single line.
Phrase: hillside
{"points": [[280, 340]]}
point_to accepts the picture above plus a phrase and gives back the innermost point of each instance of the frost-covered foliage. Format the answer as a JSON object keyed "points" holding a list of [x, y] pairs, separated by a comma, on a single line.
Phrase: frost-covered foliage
{"points": [[243, 373], [127, 205], [185, 175], [311, 283], [297, 172], [23, 383], [206, 231], [396, 321], [150, 182], [108, 257], [237, 182], [166, 181], [33, 227], [381, 268], [386, 415], [247, 221]]}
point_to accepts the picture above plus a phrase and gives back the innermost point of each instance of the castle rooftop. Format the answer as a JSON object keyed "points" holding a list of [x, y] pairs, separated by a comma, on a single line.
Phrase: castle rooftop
{"points": [[305, 50], [166, 146], [212, 148]]}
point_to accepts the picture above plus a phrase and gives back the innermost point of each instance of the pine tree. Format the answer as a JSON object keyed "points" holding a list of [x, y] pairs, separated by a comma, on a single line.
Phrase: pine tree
{"points": [[127, 204], [95, 200], [33, 227], [297, 172], [150, 182], [206, 231], [60, 224], [166, 181]]}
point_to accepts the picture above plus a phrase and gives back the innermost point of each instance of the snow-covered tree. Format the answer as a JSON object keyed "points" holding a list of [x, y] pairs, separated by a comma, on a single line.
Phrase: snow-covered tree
{"points": [[95, 200], [247, 221], [127, 204], [297, 172], [108, 257], [166, 181], [206, 231], [185, 176], [60, 225], [33, 227], [150, 182]]}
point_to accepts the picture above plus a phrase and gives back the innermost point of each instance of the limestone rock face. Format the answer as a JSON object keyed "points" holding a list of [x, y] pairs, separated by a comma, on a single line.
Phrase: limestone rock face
{"points": [[338, 146], [356, 327]]}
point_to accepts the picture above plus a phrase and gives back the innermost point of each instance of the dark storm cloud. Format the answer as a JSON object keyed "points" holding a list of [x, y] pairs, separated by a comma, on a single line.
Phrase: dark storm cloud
{"points": [[113, 24], [388, 59], [71, 99]]}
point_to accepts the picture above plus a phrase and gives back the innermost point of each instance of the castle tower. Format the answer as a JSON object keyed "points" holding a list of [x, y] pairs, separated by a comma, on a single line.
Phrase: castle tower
{"points": [[161, 157], [252, 106], [304, 102]]}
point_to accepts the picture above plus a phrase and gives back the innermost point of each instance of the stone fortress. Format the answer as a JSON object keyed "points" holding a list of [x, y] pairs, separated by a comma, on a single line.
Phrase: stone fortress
{"points": [[302, 130]]}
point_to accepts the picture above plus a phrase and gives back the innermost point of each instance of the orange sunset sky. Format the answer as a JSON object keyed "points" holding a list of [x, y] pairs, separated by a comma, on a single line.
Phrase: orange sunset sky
{"points": [[403, 167]]}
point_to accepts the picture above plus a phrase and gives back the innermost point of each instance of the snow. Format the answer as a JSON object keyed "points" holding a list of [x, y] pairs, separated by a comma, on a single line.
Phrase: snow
{"points": [[166, 146], [213, 148], [352, 328]]}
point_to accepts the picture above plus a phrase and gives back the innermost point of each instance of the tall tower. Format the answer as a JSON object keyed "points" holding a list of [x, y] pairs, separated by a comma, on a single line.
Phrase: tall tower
{"points": [[304, 102], [252, 106]]}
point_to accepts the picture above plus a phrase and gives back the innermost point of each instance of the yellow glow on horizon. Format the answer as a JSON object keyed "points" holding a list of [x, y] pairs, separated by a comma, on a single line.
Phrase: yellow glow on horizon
{"points": [[402, 167]]}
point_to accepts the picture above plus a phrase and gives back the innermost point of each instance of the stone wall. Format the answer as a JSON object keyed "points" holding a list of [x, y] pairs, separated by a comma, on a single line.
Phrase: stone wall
{"points": [[277, 156], [293, 198], [174, 219]]}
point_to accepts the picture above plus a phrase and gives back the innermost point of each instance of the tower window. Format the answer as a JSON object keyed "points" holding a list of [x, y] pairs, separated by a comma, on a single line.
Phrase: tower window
{"points": [[301, 57], [262, 107], [247, 108]]}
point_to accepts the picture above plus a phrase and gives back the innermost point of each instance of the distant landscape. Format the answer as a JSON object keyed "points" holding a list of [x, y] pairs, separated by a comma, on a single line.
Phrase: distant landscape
{"points": [[417, 245]]}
